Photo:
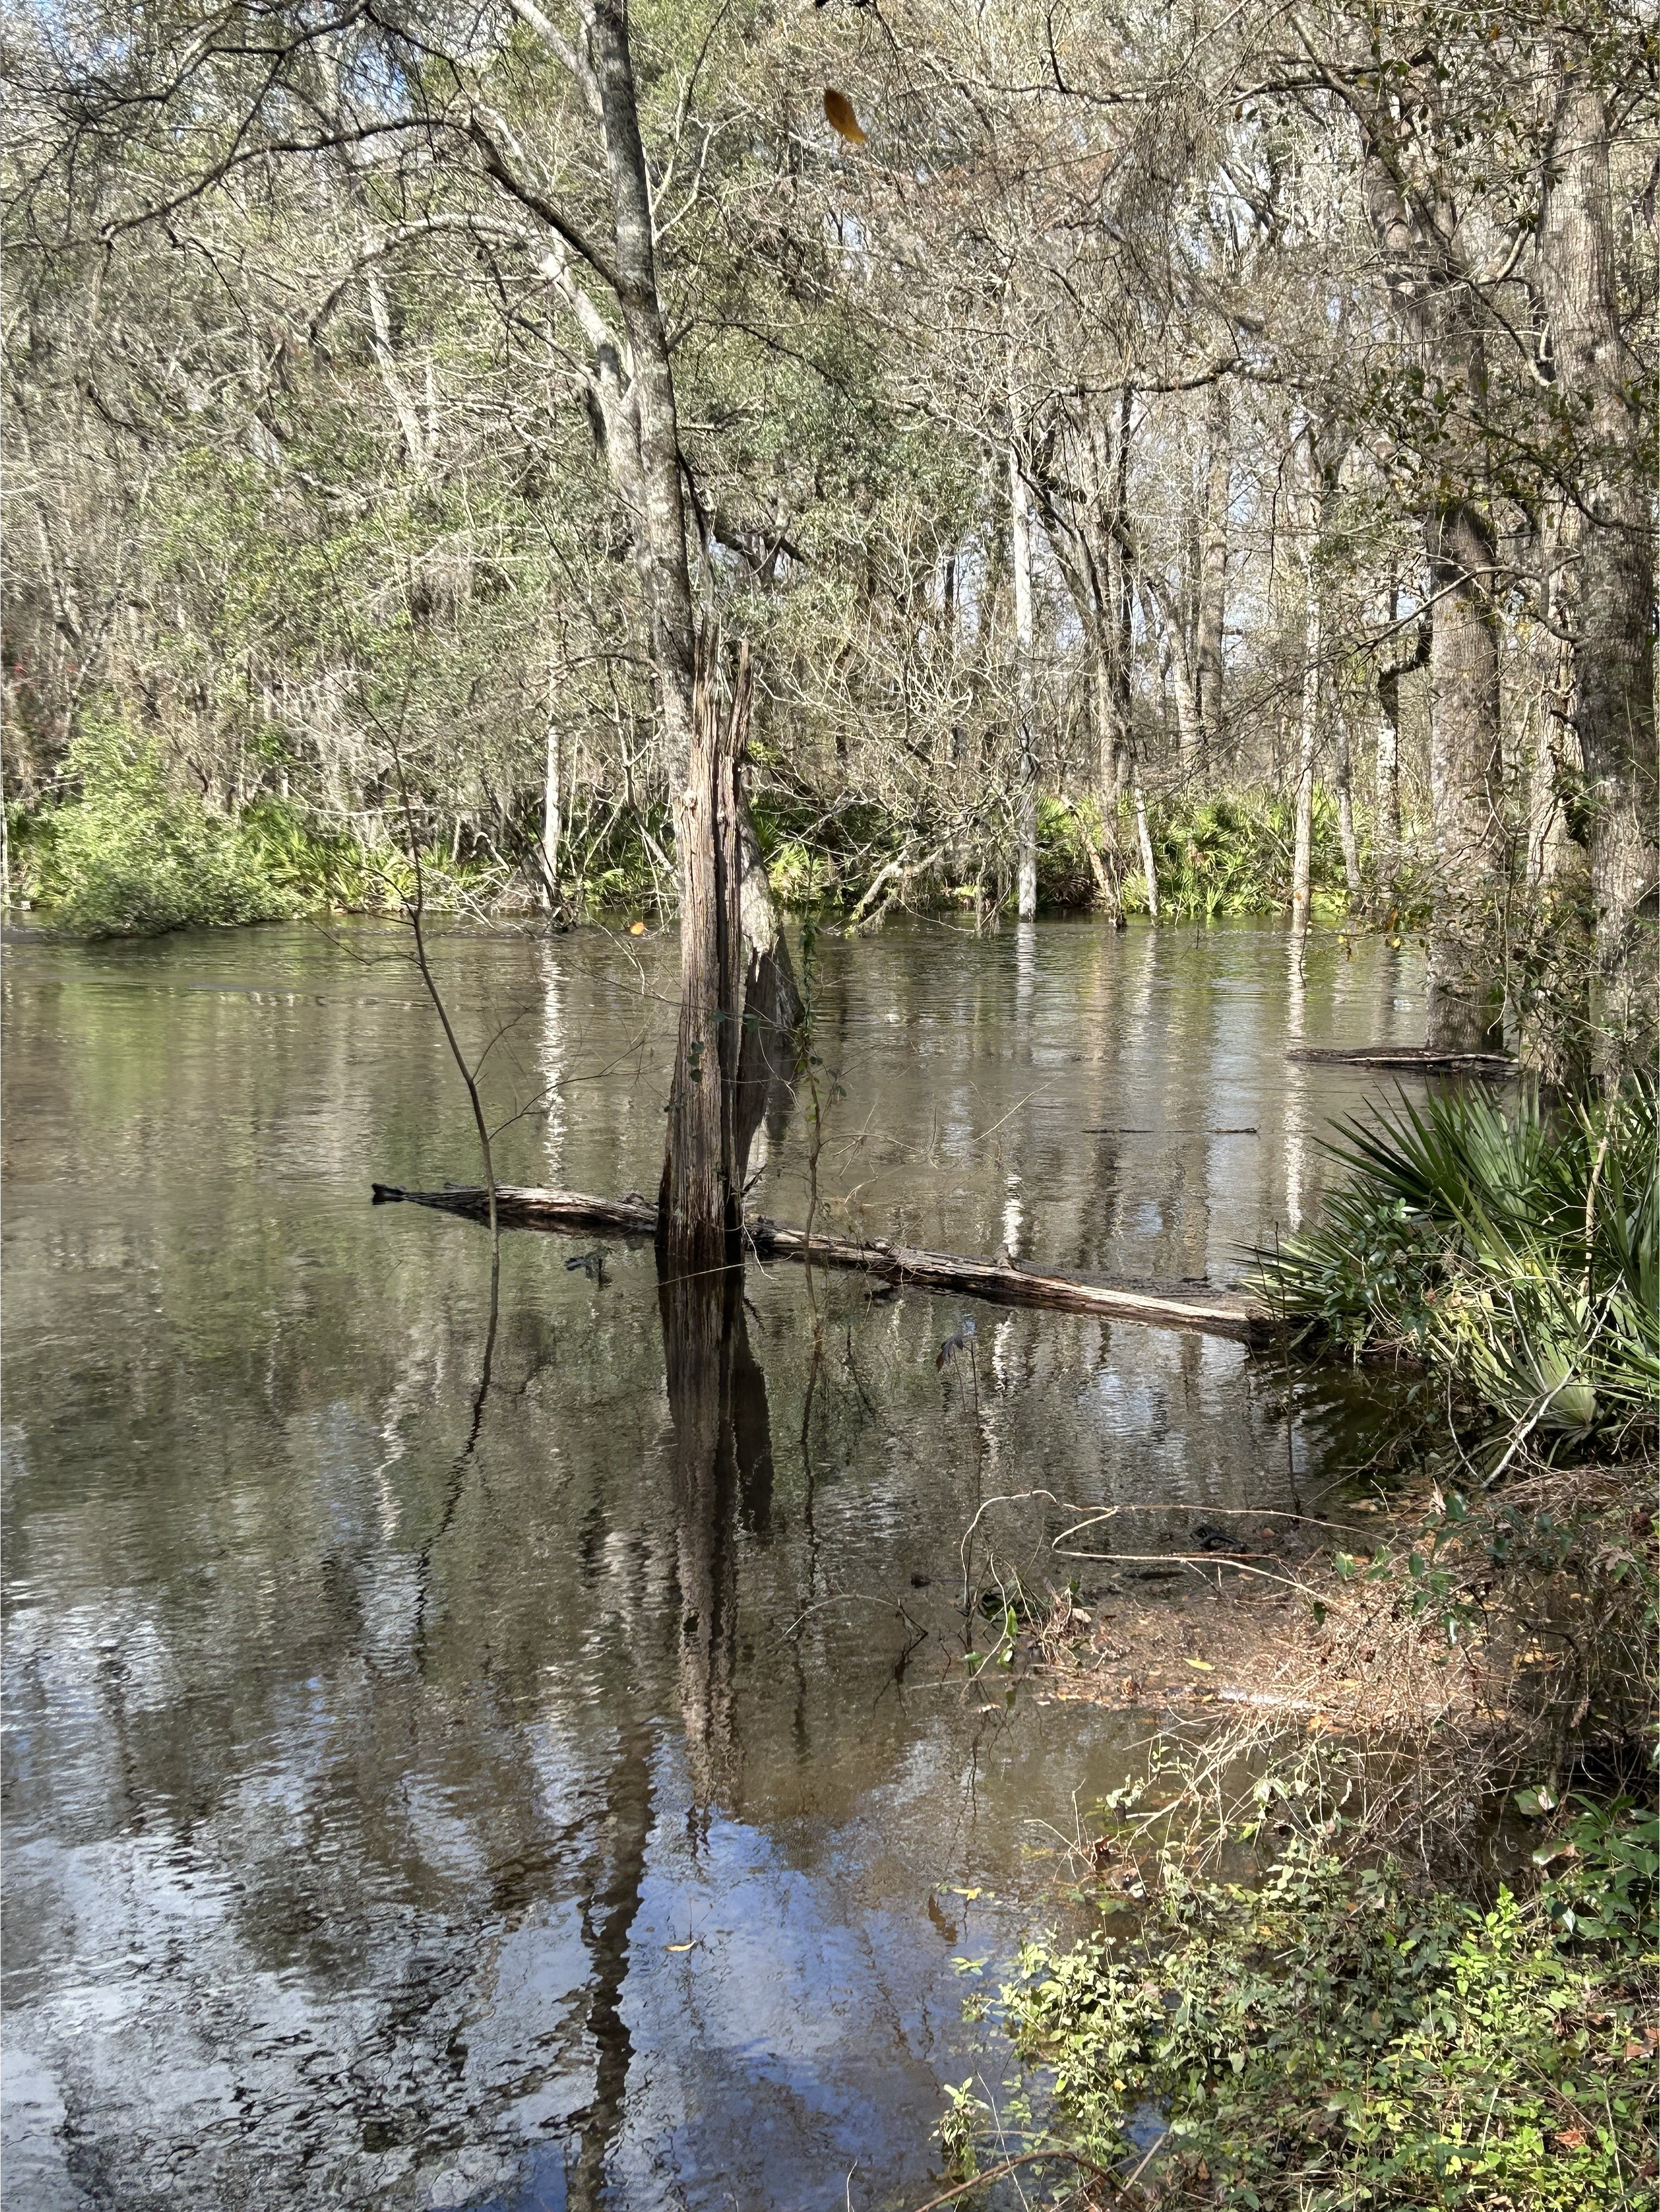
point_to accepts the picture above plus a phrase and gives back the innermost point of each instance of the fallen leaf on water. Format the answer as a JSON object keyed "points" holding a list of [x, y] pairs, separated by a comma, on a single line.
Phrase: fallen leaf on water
{"points": [[838, 113], [637, 929], [1203, 1665]]}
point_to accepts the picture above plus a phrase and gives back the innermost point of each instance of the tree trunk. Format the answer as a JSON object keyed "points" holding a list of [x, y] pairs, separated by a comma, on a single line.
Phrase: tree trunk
{"points": [[1189, 726], [1109, 739], [552, 822], [1606, 546], [1438, 314], [1387, 776], [1144, 839], [1466, 771], [1308, 733], [1554, 770], [712, 831], [1214, 568], [660, 523], [772, 1005], [699, 1209], [1344, 778], [1025, 689]]}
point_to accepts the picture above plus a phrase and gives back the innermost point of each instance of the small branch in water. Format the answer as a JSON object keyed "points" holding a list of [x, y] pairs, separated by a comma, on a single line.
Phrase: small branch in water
{"points": [[1032, 2158], [414, 910]]}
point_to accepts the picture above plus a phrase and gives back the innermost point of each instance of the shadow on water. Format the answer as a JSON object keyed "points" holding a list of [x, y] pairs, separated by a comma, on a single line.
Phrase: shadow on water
{"points": [[464, 1458]]}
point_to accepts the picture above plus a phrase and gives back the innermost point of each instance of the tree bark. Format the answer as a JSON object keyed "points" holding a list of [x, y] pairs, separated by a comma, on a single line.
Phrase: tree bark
{"points": [[1144, 839], [1308, 734], [1437, 311], [772, 1004], [659, 521], [1605, 551], [1387, 775], [1344, 779], [1082, 482], [700, 1207], [1109, 742], [1466, 780], [1214, 568], [1025, 689], [552, 822]]}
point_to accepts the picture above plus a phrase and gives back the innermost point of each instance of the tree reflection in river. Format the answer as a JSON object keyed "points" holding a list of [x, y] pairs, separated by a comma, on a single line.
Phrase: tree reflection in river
{"points": [[378, 1837], [722, 1455]]}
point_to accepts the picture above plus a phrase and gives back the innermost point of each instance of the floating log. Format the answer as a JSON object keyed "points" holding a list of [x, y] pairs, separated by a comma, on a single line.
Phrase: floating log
{"points": [[1004, 1282], [1485, 1066]]}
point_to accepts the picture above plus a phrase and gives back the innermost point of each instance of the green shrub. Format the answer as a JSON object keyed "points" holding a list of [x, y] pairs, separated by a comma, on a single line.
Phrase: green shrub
{"points": [[132, 856], [1515, 1250], [316, 866], [1335, 2037], [1232, 855], [1066, 837]]}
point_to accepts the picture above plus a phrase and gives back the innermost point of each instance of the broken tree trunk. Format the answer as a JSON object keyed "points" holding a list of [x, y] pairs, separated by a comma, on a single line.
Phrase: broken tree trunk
{"points": [[1003, 1283], [700, 1205]]}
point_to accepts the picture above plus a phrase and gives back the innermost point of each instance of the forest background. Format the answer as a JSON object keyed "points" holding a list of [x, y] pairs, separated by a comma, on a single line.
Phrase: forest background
{"points": [[1190, 459]]}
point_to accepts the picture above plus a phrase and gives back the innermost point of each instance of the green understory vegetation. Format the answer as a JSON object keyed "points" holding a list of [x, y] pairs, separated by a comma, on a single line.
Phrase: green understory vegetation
{"points": [[1330, 2035], [128, 848], [1513, 1247]]}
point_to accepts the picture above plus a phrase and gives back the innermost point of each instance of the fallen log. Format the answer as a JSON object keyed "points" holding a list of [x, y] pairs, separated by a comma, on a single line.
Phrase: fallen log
{"points": [[1485, 1066], [1003, 1282]]}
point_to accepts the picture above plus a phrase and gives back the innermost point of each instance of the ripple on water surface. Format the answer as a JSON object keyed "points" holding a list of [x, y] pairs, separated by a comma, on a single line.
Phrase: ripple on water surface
{"points": [[433, 1778]]}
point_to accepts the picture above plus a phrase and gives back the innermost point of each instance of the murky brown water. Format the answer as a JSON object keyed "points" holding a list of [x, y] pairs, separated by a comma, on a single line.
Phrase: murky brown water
{"points": [[417, 1793]]}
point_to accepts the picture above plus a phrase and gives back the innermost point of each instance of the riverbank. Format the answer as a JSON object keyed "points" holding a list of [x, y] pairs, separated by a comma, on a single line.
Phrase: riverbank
{"points": [[1377, 1926], [124, 849]]}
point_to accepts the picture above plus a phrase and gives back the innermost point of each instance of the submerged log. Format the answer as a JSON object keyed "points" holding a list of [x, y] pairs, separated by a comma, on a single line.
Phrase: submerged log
{"points": [[1485, 1066], [1004, 1282]]}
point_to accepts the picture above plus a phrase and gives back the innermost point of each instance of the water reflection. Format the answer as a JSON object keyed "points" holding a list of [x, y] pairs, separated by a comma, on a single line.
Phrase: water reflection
{"points": [[499, 1747], [722, 1449]]}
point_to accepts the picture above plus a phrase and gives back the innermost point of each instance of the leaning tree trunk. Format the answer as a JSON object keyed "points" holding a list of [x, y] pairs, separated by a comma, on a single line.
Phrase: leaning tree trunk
{"points": [[700, 1203], [1605, 566]]}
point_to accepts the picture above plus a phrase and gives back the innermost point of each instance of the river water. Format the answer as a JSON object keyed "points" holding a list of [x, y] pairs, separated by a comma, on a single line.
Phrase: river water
{"points": [[417, 1792]]}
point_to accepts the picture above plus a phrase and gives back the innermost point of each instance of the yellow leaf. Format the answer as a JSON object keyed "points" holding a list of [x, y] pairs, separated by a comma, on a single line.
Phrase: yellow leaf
{"points": [[680, 1946], [637, 929], [1203, 1665], [838, 113]]}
